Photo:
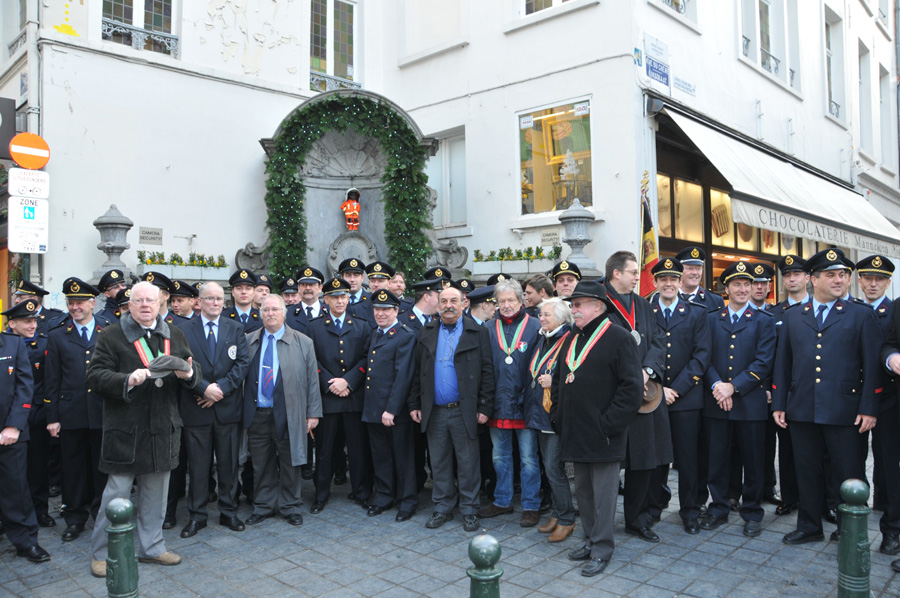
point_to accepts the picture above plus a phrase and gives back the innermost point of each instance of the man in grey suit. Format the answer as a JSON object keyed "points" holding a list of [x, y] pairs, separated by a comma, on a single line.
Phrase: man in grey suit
{"points": [[452, 392], [282, 404], [212, 411]]}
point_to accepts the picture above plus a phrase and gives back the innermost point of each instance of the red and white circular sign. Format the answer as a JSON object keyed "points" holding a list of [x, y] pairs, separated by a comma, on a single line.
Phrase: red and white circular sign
{"points": [[29, 151]]}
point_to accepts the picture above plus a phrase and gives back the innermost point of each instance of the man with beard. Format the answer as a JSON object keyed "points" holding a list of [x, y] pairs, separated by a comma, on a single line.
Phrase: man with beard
{"points": [[649, 435], [595, 394], [309, 307]]}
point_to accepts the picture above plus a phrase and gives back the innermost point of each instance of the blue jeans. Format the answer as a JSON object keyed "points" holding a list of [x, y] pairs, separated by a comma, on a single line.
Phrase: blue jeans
{"points": [[563, 509], [503, 467]]}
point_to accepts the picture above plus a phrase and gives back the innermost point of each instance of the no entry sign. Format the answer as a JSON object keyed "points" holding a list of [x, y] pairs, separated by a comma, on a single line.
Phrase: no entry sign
{"points": [[29, 151]]}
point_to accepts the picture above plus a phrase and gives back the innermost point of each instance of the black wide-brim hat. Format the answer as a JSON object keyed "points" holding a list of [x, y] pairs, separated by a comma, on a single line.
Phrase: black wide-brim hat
{"points": [[592, 290]]}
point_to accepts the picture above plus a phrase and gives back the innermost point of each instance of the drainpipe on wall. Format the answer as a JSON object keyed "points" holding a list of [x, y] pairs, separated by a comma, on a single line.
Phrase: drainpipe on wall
{"points": [[897, 60]]}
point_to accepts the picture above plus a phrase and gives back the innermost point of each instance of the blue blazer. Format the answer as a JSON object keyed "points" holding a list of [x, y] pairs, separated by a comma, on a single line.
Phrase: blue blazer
{"points": [[742, 354], [389, 374], [341, 354], [70, 402], [828, 376], [687, 352], [18, 387]]}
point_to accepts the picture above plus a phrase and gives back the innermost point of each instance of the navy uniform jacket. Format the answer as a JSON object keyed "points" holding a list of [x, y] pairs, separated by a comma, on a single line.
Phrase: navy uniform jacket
{"points": [[110, 311], [887, 397], [70, 402], [742, 355], [228, 368], [828, 376], [390, 369], [711, 301], [778, 311], [687, 352], [363, 309], [49, 318], [18, 387], [254, 322], [341, 354], [296, 316], [408, 318], [37, 352]]}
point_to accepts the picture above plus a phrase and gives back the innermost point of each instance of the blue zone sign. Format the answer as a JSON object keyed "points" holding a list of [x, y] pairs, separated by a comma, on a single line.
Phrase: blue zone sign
{"points": [[657, 70]]}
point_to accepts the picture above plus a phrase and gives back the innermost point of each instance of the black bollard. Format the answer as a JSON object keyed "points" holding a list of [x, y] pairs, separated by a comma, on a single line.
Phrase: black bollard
{"points": [[121, 563], [854, 559], [484, 552]]}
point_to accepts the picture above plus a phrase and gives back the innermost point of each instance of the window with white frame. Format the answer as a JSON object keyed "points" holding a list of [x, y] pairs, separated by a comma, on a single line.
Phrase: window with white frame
{"points": [[888, 138], [533, 6], [446, 172], [687, 8], [770, 38], [834, 63], [883, 8], [145, 27], [865, 98], [332, 43], [555, 157]]}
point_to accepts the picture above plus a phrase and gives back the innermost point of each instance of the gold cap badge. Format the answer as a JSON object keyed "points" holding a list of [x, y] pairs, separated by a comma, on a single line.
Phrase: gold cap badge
{"points": [[789, 260], [377, 267], [877, 262], [75, 287], [695, 252], [243, 274], [335, 283], [741, 267], [113, 274], [290, 282], [150, 277], [382, 296], [668, 264], [831, 256], [759, 270]]}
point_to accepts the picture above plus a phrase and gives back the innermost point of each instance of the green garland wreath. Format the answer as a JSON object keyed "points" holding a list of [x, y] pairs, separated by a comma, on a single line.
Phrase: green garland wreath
{"points": [[406, 207]]}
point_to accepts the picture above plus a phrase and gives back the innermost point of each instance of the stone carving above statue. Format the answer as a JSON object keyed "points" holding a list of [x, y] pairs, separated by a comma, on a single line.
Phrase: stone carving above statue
{"points": [[444, 252], [253, 258], [350, 244], [344, 154]]}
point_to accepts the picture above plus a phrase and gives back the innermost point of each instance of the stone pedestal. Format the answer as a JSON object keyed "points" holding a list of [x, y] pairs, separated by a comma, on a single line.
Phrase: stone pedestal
{"points": [[577, 224], [113, 227]]}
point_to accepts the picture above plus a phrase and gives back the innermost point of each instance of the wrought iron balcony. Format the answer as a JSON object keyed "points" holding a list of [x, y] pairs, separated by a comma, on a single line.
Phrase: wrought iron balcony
{"points": [[768, 61], [158, 41], [746, 46], [323, 82], [17, 43], [679, 6], [834, 109]]}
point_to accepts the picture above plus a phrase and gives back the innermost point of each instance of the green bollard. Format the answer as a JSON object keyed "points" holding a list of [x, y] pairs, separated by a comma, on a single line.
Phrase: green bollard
{"points": [[121, 564], [484, 551], [854, 559]]}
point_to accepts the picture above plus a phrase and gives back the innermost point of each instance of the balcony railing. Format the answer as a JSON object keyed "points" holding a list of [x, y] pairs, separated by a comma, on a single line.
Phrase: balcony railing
{"points": [[140, 37], [323, 82], [746, 47], [768, 61], [834, 109], [18, 42], [679, 6]]}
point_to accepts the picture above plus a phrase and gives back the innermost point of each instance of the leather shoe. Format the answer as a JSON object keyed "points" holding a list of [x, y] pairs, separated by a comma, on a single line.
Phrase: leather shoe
{"points": [[45, 520], [98, 568], [785, 508], [493, 511], [167, 558], [692, 526], [735, 504], [374, 510], [438, 519], [72, 532], [255, 518], [340, 478], [317, 507], [895, 565], [306, 472], [800, 537], [404, 515], [232, 523], [360, 501], [192, 528], [594, 567], [549, 526], [835, 536], [55, 491], [470, 523], [295, 519], [830, 516], [35, 554], [643, 532], [752, 529], [713, 521], [890, 544], [169, 523], [702, 509], [772, 498], [529, 518], [582, 553], [561, 533]]}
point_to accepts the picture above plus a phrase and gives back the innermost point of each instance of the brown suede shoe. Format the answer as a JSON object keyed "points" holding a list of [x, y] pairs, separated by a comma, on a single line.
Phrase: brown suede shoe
{"points": [[98, 568], [493, 510], [166, 558], [548, 527], [529, 518], [561, 533]]}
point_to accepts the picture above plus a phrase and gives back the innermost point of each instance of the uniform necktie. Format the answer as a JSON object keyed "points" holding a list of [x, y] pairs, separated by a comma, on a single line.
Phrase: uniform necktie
{"points": [[820, 315], [427, 318], [309, 312], [211, 340], [337, 324], [668, 313], [268, 381], [244, 318], [734, 319], [84, 337]]}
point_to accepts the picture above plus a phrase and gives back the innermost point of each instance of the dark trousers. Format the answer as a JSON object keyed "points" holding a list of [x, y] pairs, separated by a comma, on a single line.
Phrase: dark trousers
{"points": [[750, 438], [177, 481], [276, 482], [447, 437], [637, 495], [847, 460], [686, 441], [395, 466], [82, 482], [596, 490], [39, 468], [769, 478], [15, 498], [223, 440], [787, 472], [886, 450], [358, 452]]}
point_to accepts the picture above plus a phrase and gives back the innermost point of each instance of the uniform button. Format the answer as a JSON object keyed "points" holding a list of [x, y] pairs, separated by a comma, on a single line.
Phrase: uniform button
{"points": [[368, 377], [731, 357], [668, 367], [732, 347], [818, 346], [367, 388], [820, 335], [729, 368], [733, 336], [668, 344], [817, 380], [88, 361], [88, 352], [342, 342], [89, 390], [373, 352], [818, 358], [818, 369], [342, 350], [668, 357], [668, 334]]}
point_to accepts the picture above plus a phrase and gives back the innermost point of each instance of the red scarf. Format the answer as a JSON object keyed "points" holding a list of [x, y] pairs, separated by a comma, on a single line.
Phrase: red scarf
{"points": [[512, 318]]}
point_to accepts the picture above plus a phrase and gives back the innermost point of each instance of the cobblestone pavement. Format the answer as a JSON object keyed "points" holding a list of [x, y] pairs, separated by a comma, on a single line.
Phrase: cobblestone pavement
{"points": [[342, 552]]}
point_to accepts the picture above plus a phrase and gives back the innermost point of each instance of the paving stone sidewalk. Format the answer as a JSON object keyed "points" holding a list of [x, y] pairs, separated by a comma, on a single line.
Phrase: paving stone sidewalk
{"points": [[343, 553]]}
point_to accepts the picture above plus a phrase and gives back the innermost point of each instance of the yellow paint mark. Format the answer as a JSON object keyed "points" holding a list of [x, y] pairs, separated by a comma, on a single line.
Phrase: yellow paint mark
{"points": [[67, 29]]}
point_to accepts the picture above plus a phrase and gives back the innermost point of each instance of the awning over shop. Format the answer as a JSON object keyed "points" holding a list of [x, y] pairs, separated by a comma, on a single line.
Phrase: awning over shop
{"points": [[773, 194]]}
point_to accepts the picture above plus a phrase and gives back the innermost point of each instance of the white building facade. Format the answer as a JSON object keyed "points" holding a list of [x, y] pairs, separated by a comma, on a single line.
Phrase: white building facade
{"points": [[746, 120]]}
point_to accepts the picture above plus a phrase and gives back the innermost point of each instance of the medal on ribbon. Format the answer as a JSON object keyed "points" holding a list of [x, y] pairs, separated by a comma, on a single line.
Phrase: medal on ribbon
{"points": [[629, 317], [575, 362], [549, 359], [501, 339]]}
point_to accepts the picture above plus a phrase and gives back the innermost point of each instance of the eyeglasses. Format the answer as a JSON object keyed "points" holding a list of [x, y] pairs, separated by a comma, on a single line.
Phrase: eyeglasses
{"points": [[214, 299], [634, 272], [143, 301]]}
